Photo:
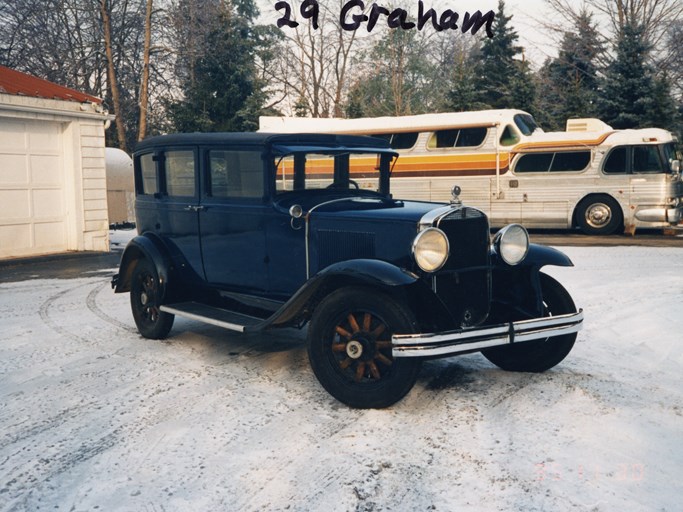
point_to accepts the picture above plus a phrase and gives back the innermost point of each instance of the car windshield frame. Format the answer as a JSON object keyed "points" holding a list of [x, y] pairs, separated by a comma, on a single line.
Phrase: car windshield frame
{"points": [[342, 180]]}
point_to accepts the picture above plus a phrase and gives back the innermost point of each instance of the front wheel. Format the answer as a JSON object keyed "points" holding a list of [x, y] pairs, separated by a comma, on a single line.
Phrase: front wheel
{"points": [[539, 355], [599, 215], [145, 300], [349, 348]]}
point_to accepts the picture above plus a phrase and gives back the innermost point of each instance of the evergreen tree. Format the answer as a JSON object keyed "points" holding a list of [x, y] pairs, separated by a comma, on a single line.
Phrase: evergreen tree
{"points": [[465, 91], [222, 91], [504, 81], [570, 82], [631, 95]]}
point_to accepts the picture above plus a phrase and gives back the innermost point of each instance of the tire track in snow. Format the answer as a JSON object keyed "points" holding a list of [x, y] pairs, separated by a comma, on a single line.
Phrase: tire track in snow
{"points": [[44, 313], [91, 303]]}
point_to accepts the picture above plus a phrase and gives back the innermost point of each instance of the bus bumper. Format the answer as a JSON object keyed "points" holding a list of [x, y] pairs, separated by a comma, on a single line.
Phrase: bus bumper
{"points": [[443, 344], [670, 215]]}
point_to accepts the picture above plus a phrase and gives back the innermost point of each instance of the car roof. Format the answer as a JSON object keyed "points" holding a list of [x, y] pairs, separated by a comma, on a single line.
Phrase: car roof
{"points": [[311, 140]]}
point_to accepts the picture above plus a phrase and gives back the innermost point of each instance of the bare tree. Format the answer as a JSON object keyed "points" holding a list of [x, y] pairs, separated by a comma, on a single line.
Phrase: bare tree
{"points": [[111, 74], [144, 79], [656, 18], [313, 71]]}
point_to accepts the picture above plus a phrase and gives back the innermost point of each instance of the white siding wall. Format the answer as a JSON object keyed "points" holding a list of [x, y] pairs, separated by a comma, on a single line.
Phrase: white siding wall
{"points": [[52, 177]]}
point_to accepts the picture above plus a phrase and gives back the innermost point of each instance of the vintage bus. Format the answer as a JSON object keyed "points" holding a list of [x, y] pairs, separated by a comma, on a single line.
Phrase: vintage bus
{"points": [[590, 176]]}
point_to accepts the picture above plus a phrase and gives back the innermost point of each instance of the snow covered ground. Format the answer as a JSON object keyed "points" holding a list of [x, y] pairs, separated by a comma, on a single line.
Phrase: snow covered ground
{"points": [[94, 417]]}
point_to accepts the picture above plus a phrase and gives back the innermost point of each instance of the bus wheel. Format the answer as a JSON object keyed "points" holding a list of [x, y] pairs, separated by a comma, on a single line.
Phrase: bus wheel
{"points": [[599, 215]]}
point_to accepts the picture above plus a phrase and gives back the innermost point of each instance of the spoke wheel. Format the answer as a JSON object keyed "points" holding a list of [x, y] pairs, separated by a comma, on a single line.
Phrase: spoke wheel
{"points": [[539, 355], [145, 300], [349, 347]]}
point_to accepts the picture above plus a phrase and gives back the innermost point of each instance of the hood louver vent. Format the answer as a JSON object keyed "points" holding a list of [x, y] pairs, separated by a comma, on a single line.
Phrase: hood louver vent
{"points": [[335, 246]]}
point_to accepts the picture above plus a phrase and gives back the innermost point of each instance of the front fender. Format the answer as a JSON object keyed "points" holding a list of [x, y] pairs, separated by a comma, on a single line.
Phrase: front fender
{"points": [[143, 246], [517, 289], [364, 272], [542, 255]]}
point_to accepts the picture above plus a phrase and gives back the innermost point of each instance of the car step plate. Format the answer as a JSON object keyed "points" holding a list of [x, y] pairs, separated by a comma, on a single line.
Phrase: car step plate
{"points": [[211, 315]]}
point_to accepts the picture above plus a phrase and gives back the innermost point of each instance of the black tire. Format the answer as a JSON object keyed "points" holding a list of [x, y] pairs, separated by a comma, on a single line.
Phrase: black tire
{"points": [[145, 300], [349, 348], [599, 215], [539, 355]]}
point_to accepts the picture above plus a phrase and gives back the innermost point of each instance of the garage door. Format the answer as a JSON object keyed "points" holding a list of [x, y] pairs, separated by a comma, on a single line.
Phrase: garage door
{"points": [[32, 188]]}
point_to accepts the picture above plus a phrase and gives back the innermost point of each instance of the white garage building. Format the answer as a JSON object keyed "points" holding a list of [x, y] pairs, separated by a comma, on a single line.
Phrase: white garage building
{"points": [[53, 189]]}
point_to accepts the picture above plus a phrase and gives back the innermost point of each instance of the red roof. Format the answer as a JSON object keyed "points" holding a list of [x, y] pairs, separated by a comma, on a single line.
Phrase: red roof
{"points": [[16, 82]]}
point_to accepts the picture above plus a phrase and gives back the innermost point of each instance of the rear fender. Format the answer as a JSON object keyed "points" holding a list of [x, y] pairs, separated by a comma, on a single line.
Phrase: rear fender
{"points": [[143, 246]]}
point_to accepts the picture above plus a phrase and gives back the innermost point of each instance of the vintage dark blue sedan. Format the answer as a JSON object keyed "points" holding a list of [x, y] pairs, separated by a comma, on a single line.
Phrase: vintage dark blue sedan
{"points": [[254, 231]]}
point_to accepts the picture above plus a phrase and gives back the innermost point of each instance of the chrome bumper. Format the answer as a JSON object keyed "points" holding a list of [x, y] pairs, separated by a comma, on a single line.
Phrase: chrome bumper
{"points": [[472, 340], [670, 215]]}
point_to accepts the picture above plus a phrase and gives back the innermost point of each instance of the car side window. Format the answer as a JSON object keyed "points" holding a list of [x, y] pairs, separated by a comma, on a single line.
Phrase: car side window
{"points": [[616, 161], [646, 159], [179, 172], [236, 174], [148, 173]]}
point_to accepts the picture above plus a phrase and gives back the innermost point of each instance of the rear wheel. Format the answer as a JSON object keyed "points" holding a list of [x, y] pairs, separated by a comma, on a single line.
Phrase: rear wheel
{"points": [[349, 348], [145, 300], [539, 355]]}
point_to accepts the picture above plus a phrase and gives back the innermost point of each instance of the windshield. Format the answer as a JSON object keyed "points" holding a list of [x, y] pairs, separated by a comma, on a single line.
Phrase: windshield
{"points": [[341, 171], [526, 123], [672, 151]]}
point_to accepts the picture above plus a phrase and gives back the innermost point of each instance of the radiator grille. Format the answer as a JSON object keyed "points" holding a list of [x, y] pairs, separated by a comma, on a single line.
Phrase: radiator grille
{"points": [[464, 282]]}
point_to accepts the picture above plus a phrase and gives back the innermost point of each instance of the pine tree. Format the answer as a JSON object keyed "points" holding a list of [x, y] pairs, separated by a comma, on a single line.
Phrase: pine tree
{"points": [[631, 95], [504, 81], [222, 91], [570, 81], [465, 91]]}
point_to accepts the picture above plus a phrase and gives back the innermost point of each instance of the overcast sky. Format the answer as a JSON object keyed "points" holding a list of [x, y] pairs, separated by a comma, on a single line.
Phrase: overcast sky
{"points": [[528, 16]]}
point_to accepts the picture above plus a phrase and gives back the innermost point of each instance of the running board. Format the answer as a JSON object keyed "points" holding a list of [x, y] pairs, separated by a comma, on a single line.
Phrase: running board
{"points": [[211, 315]]}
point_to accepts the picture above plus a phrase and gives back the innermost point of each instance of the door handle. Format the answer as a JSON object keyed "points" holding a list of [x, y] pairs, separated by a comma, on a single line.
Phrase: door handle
{"points": [[194, 208]]}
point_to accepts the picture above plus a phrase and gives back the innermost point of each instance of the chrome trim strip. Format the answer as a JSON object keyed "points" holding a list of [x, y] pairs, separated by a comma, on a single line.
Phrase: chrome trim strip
{"points": [[430, 218], [469, 340]]}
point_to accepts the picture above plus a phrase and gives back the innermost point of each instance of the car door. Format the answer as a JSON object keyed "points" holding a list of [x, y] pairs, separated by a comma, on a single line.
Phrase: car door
{"points": [[232, 219], [177, 206]]}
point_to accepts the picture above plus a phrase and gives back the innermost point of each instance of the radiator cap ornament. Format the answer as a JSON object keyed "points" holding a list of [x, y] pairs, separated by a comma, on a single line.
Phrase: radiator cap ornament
{"points": [[455, 192]]}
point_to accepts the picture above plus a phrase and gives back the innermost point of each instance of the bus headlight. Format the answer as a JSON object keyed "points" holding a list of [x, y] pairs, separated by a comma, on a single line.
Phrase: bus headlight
{"points": [[430, 249], [512, 244]]}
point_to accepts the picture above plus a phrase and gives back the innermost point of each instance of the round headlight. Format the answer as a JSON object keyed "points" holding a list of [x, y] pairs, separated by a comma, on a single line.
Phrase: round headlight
{"points": [[430, 249], [512, 244]]}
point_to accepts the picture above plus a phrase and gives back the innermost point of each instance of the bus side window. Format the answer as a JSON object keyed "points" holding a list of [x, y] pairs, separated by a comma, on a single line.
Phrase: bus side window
{"points": [[570, 161], [534, 162], [509, 137], [471, 137], [646, 159], [443, 139], [458, 138], [400, 140], [615, 163]]}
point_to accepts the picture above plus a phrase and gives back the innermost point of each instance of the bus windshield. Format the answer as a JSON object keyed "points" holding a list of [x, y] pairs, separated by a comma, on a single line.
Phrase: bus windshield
{"points": [[526, 123], [672, 151]]}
